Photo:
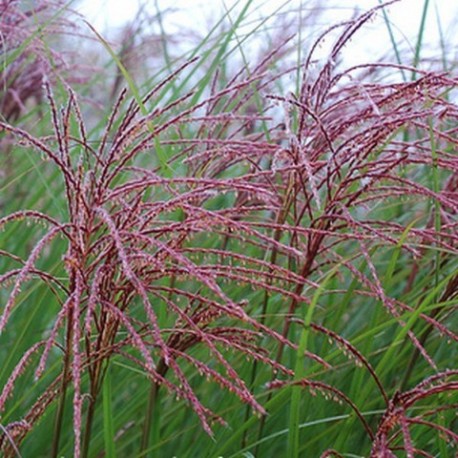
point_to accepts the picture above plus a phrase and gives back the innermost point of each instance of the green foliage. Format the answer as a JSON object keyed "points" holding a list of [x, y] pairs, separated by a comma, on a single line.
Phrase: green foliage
{"points": [[247, 253]]}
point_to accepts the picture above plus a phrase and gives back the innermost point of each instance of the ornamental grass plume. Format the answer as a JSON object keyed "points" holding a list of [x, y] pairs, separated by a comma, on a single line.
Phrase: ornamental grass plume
{"points": [[197, 235], [128, 260], [356, 148], [26, 58]]}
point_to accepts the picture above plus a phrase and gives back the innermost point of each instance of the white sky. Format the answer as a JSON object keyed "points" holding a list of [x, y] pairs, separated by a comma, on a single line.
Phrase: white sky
{"points": [[405, 17]]}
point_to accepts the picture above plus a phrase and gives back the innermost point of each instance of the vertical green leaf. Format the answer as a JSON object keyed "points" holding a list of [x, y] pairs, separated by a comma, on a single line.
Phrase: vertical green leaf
{"points": [[293, 439], [108, 426]]}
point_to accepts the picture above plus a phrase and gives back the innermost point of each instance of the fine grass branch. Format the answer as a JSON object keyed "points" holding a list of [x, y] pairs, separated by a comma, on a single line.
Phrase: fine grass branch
{"points": [[271, 270]]}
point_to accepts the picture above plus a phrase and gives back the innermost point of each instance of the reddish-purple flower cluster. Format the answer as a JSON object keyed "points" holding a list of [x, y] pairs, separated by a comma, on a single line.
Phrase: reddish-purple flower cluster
{"points": [[156, 242]]}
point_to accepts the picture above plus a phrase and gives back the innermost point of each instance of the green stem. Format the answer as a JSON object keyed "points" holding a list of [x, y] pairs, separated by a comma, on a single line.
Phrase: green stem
{"points": [[254, 369], [152, 412], [88, 429], [299, 369], [61, 406], [151, 408]]}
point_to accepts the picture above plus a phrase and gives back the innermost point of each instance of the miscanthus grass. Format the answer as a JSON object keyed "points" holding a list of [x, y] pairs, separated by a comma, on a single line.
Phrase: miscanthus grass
{"points": [[219, 262]]}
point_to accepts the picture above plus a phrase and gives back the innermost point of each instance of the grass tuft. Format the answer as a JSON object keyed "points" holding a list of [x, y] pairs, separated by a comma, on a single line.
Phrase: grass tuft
{"points": [[249, 254]]}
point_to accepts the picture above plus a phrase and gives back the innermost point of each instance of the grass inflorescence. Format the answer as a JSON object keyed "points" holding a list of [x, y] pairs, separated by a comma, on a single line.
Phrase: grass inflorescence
{"points": [[219, 262]]}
